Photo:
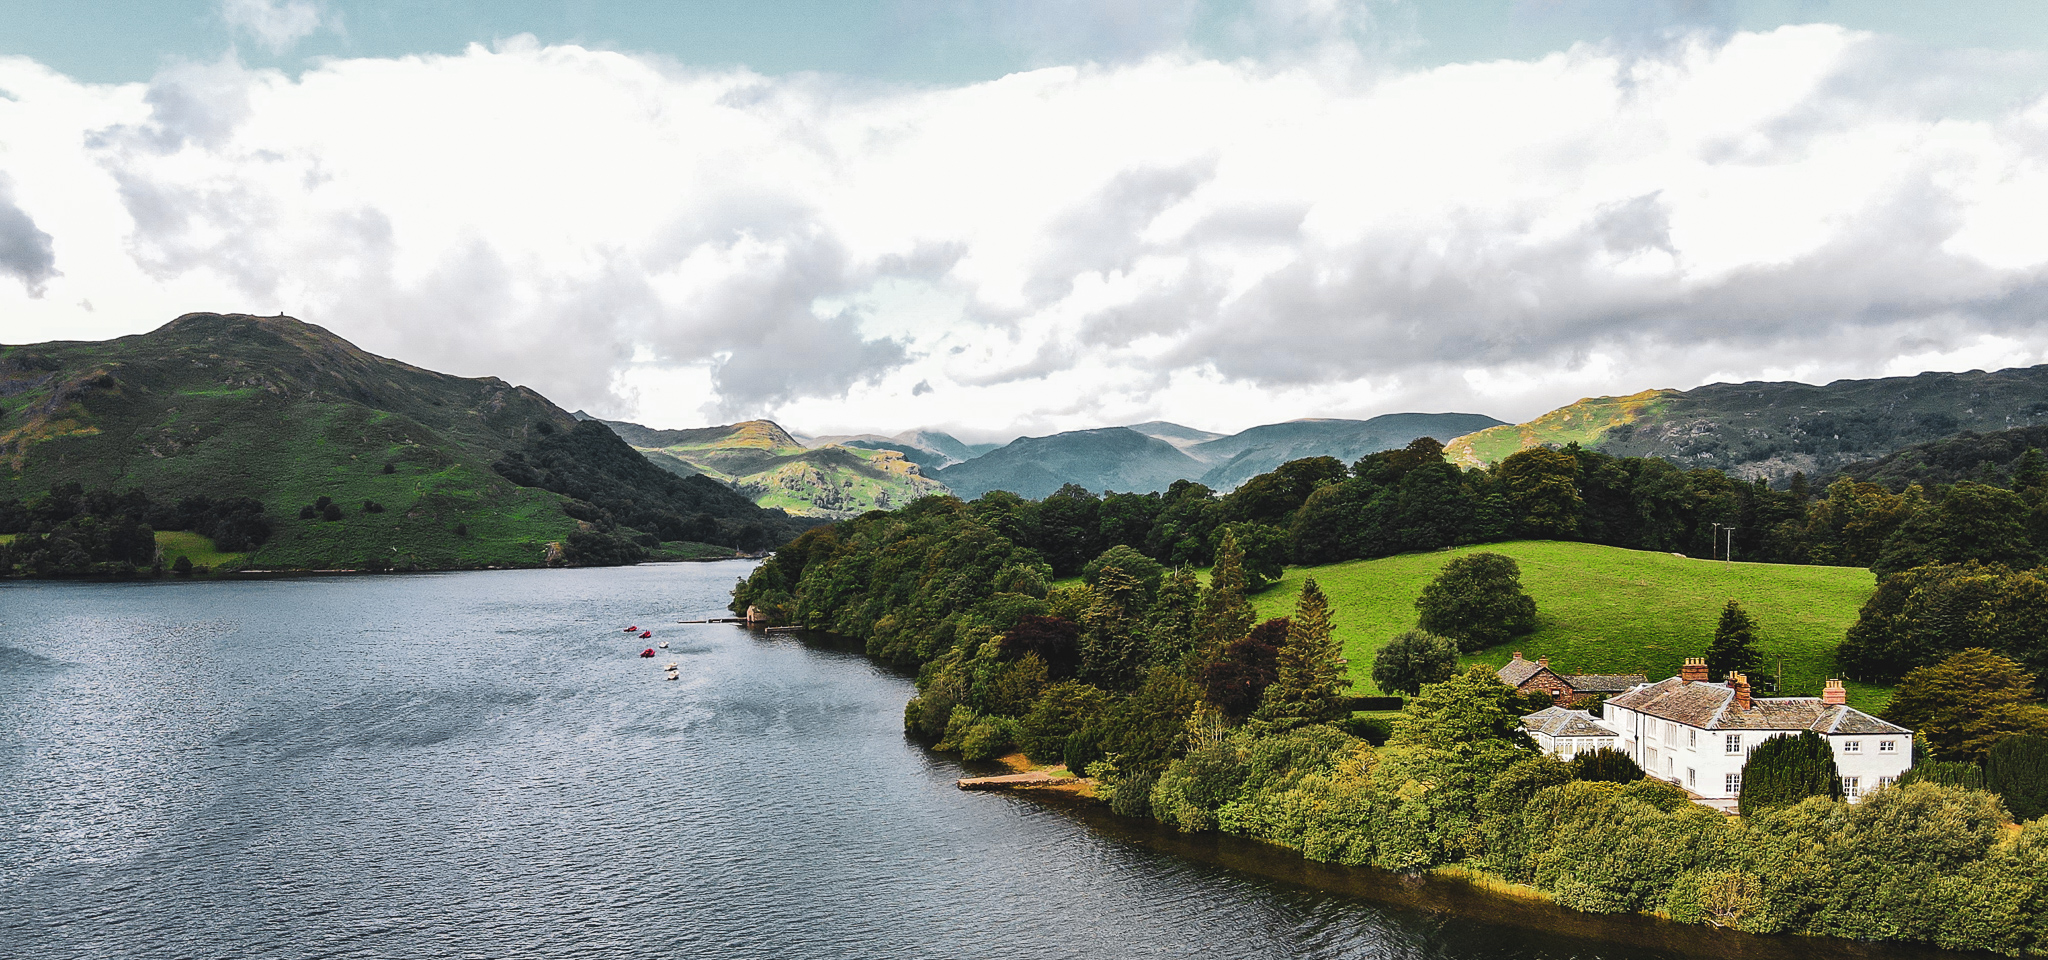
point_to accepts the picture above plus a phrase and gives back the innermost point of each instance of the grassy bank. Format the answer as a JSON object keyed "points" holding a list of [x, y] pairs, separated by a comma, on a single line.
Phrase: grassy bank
{"points": [[1609, 610]]}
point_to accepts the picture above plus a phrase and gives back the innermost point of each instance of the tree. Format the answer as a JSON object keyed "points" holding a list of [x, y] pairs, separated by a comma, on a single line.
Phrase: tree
{"points": [[1921, 615], [1224, 614], [1782, 771], [2017, 770], [1734, 646], [183, 566], [1264, 549], [1974, 521], [1606, 765], [1412, 659], [1236, 681], [1477, 601], [1542, 489], [1053, 640], [1145, 570], [1308, 676], [1968, 702]]}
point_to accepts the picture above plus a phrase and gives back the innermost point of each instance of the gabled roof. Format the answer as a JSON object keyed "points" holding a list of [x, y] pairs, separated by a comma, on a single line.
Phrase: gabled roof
{"points": [[1604, 682], [1711, 706], [1518, 671], [1559, 722]]}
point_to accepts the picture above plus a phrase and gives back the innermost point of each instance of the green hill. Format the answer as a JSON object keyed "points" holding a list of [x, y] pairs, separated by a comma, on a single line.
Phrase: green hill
{"points": [[1609, 610], [467, 472], [1773, 430], [761, 460]]}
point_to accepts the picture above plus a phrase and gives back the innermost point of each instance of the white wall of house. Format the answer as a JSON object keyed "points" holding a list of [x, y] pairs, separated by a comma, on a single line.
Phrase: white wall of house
{"points": [[1709, 762], [1565, 748]]}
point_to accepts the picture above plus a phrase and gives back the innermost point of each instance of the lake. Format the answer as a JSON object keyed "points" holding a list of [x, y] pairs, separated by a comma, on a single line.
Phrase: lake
{"points": [[479, 765]]}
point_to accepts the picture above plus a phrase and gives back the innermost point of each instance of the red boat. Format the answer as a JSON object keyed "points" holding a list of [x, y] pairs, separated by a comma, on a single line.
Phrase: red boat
{"points": [[648, 653], [644, 634], [631, 629]]}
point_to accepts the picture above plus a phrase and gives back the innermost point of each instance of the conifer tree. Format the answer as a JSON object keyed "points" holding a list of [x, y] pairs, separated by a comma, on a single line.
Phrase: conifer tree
{"points": [[1734, 646], [2017, 770], [1309, 670], [1785, 770], [1224, 614], [1169, 628]]}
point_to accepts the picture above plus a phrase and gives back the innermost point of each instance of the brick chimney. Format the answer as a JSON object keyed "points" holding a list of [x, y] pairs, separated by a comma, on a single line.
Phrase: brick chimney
{"points": [[1694, 671], [1543, 662], [1518, 654], [1741, 685], [1833, 693]]}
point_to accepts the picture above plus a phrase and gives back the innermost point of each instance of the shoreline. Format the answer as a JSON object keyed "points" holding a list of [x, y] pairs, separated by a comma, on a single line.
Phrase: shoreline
{"points": [[287, 573]]}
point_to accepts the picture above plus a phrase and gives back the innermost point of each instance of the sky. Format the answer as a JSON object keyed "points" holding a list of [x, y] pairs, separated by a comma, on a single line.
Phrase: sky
{"points": [[997, 217]]}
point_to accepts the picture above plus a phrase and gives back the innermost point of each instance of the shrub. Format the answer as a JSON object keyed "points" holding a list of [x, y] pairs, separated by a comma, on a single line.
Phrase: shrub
{"points": [[1477, 601], [2017, 770], [1606, 765], [1412, 659]]}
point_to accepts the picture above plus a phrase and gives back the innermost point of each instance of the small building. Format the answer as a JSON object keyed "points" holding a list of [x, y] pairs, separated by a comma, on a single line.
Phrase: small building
{"points": [[1528, 676], [1698, 735], [1565, 733]]}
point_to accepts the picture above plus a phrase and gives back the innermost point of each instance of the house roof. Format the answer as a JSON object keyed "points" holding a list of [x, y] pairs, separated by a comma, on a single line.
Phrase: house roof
{"points": [[1711, 706], [1604, 682], [1559, 722], [1518, 671]]}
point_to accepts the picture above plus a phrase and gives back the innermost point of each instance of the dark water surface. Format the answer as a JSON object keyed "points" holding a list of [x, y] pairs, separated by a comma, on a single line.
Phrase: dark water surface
{"points": [[475, 765]]}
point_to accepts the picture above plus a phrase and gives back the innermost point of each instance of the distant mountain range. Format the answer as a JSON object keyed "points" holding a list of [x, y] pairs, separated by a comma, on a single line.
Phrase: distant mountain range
{"points": [[1773, 430], [1151, 456], [463, 472]]}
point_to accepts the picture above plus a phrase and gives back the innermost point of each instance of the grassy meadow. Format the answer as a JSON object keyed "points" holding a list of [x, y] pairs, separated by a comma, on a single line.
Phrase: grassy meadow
{"points": [[172, 544], [1608, 610]]}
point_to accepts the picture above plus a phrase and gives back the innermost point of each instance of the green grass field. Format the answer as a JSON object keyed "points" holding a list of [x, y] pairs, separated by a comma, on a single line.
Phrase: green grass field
{"points": [[1609, 610], [173, 544]]}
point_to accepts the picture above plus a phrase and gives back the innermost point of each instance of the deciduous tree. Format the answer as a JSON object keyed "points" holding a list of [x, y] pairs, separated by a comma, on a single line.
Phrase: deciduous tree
{"points": [[1477, 601]]}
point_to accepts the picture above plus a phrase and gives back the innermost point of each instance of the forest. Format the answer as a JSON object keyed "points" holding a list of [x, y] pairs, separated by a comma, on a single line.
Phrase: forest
{"points": [[71, 532], [1076, 630]]}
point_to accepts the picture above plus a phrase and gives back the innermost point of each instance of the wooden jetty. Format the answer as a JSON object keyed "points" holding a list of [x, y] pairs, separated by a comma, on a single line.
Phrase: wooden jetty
{"points": [[1015, 781], [717, 620], [783, 629]]}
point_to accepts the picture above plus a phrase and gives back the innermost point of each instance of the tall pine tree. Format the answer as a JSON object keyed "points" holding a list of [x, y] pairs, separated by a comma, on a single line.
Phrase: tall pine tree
{"points": [[1734, 646], [1309, 681], [1223, 615]]}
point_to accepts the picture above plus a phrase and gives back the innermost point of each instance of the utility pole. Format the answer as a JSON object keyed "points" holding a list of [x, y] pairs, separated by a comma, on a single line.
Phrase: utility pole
{"points": [[1731, 545], [1714, 551]]}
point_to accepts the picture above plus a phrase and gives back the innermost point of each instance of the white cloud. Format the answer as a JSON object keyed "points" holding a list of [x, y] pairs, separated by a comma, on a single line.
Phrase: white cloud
{"points": [[1219, 243], [276, 24]]}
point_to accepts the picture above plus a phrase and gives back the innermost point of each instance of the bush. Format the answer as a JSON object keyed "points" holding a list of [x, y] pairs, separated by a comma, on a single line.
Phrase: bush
{"points": [[1412, 659], [2017, 770], [331, 512], [1063, 710], [1606, 765], [183, 567]]}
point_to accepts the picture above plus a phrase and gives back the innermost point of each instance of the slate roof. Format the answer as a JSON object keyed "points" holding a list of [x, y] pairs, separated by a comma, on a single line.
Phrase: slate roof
{"points": [[1518, 672], [1711, 706], [1559, 722], [1604, 682]]}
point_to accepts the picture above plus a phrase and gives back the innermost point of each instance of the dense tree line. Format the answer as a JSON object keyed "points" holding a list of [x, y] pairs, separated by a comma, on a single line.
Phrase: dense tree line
{"points": [[72, 532]]}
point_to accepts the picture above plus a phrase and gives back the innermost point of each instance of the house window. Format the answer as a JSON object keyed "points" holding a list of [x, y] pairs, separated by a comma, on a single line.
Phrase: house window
{"points": [[1850, 789], [1734, 741], [1852, 746], [1692, 778], [1731, 784], [1692, 739], [1887, 746], [1883, 782], [1670, 733]]}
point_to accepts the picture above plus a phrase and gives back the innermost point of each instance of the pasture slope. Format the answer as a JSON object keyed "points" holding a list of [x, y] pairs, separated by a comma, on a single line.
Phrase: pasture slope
{"points": [[1608, 610]]}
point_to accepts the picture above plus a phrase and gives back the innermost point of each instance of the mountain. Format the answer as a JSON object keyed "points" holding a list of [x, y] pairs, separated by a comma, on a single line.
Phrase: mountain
{"points": [[1772, 430], [765, 463], [1966, 456], [464, 472], [1242, 456], [929, 449], [1110, 458], [1174, 433]]}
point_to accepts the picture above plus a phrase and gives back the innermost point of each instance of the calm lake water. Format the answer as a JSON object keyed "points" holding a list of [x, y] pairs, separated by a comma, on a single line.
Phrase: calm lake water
{"points": [[476, 765]]}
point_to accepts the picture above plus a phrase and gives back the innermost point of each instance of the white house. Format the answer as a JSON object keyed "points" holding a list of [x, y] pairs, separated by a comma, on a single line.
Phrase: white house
{"points": [[1698, 734], [1566, 733]]}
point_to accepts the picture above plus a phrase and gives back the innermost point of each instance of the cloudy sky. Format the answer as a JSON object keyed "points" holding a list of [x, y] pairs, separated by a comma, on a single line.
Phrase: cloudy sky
{"points": [[1001, 217]]}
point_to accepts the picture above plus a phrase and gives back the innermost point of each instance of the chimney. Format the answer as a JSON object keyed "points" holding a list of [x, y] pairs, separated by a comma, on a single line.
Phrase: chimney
{"points": [[1694, 671], [1834, 694], [1518, 654], [1741, 685], [1543, 662]]}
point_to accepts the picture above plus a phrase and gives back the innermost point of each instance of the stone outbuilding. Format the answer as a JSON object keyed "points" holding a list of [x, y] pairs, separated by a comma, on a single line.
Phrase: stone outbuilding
{"points": [[1527, 676]]}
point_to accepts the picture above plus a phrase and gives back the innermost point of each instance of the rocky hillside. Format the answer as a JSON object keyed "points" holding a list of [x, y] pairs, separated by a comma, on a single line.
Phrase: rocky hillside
{"points": [[765, 463], [1773, 430]]}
